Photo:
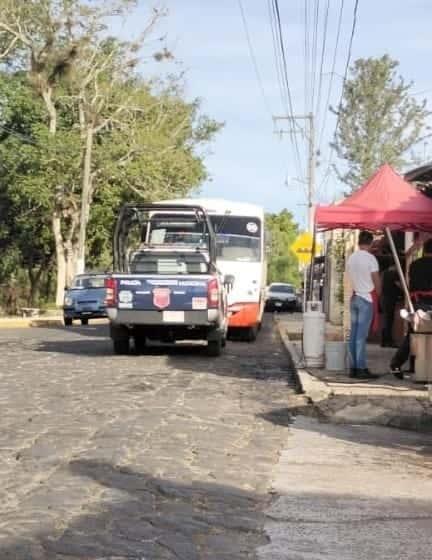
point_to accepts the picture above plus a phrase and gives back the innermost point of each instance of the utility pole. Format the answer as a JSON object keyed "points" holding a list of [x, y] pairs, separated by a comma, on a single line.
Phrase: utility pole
{"points": [[310, 135]]}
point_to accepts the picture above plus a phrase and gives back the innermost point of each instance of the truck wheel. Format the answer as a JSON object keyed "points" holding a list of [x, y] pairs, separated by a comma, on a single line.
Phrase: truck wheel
{"points": [[214, 347], [84, 322], [121, 346], [120, 337], [140, 344], [67, 321]]}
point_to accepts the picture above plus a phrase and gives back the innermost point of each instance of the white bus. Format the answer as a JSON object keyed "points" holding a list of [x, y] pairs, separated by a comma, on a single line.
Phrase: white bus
{"points": [[241, 255]]}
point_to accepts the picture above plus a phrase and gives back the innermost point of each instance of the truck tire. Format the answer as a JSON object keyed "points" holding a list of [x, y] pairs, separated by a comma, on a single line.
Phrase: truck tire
{"points": [[214, 347], [120, 338], [140, 344], [67, 321], [84, 322], [121, 346]]}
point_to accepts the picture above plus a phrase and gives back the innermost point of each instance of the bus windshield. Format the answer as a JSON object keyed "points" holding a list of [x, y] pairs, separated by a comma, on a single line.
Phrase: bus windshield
{"points": [[238, 238]]}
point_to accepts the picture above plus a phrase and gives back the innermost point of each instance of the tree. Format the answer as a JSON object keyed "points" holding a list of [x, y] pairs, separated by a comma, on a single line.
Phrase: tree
{"points": [[156, 156], [99, 115], [378, 119], [283, 264]]}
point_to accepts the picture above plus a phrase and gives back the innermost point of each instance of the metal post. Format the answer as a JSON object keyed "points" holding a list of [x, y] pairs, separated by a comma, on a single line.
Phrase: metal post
{"points": [[400, 271]]}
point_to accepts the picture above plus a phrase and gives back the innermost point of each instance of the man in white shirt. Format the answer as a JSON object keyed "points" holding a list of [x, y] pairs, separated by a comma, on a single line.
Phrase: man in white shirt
{"points": [[363, 271]]}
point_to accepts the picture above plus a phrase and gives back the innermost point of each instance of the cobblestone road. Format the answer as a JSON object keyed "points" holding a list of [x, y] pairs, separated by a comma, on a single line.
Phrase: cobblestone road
{"points": [[167, 456]]}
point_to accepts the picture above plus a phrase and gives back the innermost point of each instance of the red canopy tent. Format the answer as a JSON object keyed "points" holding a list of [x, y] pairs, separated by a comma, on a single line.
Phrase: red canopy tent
{"points": [[385, 202]]}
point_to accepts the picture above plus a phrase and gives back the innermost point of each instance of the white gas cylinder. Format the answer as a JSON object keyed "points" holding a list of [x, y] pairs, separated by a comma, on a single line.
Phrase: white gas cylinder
{"points": [[314, 335]]}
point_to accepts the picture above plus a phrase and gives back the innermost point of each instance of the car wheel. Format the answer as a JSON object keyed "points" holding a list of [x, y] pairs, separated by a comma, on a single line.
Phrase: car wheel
{"points": [[84, 322], [67, 321], [214, 347]]}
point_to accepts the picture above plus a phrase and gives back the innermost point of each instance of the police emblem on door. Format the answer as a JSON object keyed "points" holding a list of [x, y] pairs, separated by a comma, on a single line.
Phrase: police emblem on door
{"points": [[161, 297]]}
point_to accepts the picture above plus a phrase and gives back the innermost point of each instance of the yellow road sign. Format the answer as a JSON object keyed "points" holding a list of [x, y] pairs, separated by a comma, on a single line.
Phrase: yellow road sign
{"points": [[302, 247]]}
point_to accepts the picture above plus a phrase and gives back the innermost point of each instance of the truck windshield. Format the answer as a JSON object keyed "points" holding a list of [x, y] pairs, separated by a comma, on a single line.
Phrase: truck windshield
{"points": [[148, 262], [238, 238]]}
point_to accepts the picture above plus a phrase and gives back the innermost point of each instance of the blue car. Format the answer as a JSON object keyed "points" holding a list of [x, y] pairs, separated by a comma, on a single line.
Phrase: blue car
{"points": [[85, 299]]}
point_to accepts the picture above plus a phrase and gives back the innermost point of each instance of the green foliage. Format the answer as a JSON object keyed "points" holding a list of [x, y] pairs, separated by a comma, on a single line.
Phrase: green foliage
{"points": [[156, 155], [378, 120], [283, 264]]}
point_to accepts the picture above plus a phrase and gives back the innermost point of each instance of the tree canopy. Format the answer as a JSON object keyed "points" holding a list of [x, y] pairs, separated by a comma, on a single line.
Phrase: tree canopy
{"points": [[81, 131], [283, 264], [379, 121]]}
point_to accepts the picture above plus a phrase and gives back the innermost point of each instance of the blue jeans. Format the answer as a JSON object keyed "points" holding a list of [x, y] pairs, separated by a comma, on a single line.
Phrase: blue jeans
{"points": [[361, 319]]}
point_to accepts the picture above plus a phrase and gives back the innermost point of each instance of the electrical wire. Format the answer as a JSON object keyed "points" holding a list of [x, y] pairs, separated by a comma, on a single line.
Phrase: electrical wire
{"points": [[323, 52], [306, 55], [282, 50], [314, 54], [332, 74], [348, 61], [253, 59], [276, 56]]}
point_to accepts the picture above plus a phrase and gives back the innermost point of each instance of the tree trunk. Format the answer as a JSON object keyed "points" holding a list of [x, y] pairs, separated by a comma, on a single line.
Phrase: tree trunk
{"points": [[34, 280], [85, 199], [60, 258], [51, 108]]}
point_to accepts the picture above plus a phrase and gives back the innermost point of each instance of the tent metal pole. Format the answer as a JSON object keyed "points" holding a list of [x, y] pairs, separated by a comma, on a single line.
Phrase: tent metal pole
{"points": [[399, 269]]}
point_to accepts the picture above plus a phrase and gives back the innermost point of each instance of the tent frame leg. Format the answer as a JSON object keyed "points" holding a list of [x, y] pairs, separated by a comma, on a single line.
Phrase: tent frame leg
{"points": [[399, 270]]}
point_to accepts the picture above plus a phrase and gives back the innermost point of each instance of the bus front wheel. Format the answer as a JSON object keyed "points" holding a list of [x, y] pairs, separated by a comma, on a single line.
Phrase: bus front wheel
{"points": [[250, 334]]}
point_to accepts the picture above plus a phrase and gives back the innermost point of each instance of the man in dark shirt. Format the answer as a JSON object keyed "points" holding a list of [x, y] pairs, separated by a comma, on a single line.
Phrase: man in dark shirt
{"points": [[391, 294], [420, 280]]}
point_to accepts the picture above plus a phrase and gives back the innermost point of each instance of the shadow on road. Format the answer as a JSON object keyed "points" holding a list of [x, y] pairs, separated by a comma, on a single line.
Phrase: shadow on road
{"points": [[264, 359], [139, 516]]}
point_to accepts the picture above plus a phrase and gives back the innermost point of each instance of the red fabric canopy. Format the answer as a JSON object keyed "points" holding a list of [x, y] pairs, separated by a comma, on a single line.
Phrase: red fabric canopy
{"points": [[385, 200]]}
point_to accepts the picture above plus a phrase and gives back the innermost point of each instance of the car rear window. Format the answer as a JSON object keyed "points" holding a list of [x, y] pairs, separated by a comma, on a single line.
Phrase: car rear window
{"points": [[282, 288]]}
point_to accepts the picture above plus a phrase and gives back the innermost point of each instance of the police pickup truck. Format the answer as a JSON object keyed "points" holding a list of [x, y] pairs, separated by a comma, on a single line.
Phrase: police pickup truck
{"points": [[166, 286]]}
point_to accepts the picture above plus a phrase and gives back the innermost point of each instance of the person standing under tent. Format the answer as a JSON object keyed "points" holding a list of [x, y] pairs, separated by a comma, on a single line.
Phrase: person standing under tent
{"points": [[363, 271], [390, 296], [420, 286]]}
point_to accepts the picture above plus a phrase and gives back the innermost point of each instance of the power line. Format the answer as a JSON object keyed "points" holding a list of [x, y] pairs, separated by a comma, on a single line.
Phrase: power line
{"points": [[314, 53], [282, 49], [253, 59], [323, 51], [333, 68], [353, 30], [276, 55], [306, 55]]}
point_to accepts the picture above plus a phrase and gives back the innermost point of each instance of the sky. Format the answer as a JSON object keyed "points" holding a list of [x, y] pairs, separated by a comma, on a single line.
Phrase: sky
{"points": [[249, 160]]}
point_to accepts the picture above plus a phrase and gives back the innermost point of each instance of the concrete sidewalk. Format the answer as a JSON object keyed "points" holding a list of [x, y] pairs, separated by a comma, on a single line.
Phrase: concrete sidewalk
{"points": [[338, 398]]}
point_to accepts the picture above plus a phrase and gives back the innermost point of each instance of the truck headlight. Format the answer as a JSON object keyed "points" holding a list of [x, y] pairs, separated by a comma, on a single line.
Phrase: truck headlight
{"points": [[68, 301]]}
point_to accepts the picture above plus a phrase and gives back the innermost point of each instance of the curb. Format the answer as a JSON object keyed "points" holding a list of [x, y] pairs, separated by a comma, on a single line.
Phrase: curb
{"points": [[414, 415], [314, 388], [24, 323]]}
